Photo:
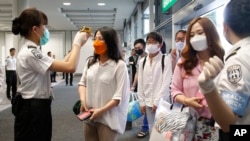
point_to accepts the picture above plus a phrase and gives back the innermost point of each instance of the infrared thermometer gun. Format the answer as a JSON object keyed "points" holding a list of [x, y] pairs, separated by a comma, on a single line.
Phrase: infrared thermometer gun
{"points": [[86, 29]]}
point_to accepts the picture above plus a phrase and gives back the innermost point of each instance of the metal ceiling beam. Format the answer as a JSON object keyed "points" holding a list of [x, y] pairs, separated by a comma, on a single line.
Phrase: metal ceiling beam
{"points": [[90, 16], [87, 11]]}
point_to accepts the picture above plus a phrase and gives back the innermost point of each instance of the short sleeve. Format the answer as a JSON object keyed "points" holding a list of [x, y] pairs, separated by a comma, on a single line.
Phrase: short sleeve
{"points": [[39, 61], [83, 80], [233, 83]]}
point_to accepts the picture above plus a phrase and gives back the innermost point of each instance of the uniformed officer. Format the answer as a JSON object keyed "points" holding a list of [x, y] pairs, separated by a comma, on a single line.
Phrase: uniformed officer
{"points": [[229, 102], [31, 107], [11, 79]]}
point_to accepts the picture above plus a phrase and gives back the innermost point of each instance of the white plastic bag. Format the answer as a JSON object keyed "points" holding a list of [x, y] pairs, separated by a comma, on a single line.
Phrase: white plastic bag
{"points": [[173, 123]]}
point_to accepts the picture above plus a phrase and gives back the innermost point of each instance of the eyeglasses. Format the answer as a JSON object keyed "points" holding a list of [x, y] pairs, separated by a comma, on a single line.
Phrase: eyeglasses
{"points": [[152, 42]]}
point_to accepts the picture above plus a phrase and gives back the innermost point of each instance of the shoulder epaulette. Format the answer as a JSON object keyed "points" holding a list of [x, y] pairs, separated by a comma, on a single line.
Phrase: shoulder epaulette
{"points": [[32, 47], [232, 53]]}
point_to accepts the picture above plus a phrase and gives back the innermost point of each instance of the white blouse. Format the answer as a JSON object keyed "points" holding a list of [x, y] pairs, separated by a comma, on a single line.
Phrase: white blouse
{"points": [[105, 82]]}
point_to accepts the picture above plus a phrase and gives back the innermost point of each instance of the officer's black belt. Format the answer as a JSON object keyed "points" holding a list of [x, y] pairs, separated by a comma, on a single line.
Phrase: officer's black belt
{"points": [[37, 102], [11, 70]]}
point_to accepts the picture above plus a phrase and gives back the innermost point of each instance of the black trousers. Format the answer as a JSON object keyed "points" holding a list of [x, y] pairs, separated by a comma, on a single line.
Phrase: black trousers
{"points": [[223, 136], [33, 121], [11, 81], [70, 79], [52, 76]]}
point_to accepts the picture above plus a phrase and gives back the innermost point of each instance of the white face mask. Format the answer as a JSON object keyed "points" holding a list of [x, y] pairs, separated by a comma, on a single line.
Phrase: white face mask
{"points": [[199, 42], [152, 48], [179, 45]]}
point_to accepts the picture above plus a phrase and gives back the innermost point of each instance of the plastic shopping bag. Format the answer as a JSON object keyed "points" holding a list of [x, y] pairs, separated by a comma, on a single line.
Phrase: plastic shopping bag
{"points": [[173, 123], [134, 111]]}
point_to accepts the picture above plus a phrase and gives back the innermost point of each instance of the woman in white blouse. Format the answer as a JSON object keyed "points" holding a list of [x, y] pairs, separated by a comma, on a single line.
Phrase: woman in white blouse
{"points": [[104, 89]]}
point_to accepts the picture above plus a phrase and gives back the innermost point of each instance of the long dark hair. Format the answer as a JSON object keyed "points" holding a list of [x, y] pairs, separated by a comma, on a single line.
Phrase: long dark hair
{"points": [[213, 41], [113, 47]]}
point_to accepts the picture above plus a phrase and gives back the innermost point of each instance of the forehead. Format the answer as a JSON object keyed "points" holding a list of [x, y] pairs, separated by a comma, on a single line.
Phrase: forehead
{"points": [[138, 45], [151, 39], [196, 27], [180, 35], [98, 34]]}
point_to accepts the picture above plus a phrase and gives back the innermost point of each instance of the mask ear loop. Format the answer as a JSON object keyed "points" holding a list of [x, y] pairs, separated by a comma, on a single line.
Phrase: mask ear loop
{"points": [[33, 28]]}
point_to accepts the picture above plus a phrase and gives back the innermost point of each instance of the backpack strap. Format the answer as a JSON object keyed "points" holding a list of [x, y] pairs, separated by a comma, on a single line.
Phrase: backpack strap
{"points": [[144, 61], [136, 59], [162, 62]]}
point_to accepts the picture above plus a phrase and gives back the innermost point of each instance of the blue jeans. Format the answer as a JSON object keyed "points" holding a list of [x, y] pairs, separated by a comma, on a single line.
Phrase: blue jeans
{"points": [[145, 127]]}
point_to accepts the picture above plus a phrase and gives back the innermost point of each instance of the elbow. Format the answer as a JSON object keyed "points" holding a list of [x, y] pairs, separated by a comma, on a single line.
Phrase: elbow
{"points": [[117, 102], [71, 69], [225, 125], [225, 128], [226, 122]]}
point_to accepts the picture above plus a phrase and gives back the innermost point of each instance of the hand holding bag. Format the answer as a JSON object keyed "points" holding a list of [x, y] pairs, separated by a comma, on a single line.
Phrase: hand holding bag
{"points": [[134, 110]]}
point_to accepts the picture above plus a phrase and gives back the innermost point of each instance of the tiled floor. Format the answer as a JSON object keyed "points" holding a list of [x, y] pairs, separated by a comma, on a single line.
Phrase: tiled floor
{"points": [[4, 106], [5, 103], [66, 127]]}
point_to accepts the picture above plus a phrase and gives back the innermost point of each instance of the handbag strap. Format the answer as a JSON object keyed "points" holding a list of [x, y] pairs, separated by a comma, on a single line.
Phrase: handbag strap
{"points": [[134, 96], [172, 106]]}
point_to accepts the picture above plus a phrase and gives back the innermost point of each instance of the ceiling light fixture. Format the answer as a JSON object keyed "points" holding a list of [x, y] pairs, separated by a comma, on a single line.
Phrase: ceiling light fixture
{"points": [[101, 4], [67, 3]]}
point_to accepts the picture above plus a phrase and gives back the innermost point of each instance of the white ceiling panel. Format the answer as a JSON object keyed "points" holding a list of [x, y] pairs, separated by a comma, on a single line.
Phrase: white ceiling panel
{"points": [[79, 13], [5, 14]]}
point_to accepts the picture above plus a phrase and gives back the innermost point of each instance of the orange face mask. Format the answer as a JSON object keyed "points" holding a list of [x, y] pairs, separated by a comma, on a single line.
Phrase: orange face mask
{"points": [[100, 47]]}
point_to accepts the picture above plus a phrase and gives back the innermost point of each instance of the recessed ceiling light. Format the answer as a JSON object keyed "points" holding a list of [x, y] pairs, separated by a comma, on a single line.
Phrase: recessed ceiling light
{"points": [[101, 4], [67, 3]]}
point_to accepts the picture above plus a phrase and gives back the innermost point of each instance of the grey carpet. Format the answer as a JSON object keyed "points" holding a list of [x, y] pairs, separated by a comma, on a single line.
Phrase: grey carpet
{"points": [[66, 127]]}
